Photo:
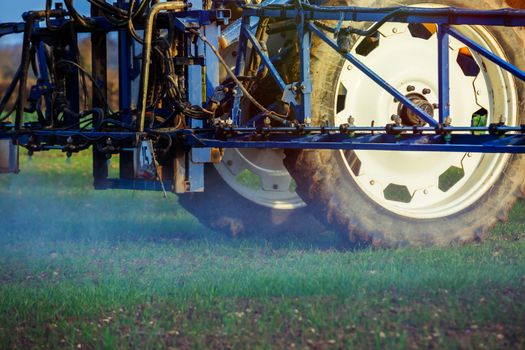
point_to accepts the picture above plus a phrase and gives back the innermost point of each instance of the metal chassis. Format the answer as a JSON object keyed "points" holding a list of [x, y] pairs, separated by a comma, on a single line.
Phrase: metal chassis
{"points": [[439, 136]]}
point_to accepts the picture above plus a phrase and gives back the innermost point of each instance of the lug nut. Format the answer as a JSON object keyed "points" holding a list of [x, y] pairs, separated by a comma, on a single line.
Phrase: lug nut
{"points": [[410, 88], [426, 91]]}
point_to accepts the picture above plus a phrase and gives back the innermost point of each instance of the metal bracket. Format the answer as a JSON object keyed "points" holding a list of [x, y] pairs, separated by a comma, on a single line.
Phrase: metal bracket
{"points": [[8, 157], [236, 109]]}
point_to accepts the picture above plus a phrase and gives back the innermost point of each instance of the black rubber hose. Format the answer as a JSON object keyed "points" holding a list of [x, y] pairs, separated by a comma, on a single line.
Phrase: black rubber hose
{"points": [[83, 21]]}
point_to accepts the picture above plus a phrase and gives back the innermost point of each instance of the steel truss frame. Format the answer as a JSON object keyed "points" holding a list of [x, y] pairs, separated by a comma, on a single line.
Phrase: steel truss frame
{"points": [[441, 136], [438, 136]]}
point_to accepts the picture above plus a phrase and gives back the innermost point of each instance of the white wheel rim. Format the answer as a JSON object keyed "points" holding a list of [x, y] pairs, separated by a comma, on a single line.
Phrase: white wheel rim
{"points": [[416, 175], [275, 187]]}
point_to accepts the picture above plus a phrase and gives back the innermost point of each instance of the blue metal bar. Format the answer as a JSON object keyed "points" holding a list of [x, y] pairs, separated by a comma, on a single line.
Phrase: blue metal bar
{"points": [[13, 28], [195, 172], [486, 53], [444, 73], [89, 135], [376, 78], [241, 52], [125, 77], [239, 70], [445, 15], [212, 32], [44, 76], [305, 87], [380, 142], [266, 60]]}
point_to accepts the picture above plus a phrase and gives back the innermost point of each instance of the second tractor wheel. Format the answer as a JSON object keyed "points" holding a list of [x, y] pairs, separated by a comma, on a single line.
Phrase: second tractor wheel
{"points": [[413, 198], [223, 209], [250, 191]]}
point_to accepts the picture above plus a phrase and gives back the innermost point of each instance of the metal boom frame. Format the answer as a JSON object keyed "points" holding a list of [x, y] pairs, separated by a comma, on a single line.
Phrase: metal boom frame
{"points": [[438, 136]]}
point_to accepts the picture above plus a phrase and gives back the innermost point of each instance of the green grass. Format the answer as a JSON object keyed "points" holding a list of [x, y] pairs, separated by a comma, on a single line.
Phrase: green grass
{"points": [[128, 269]]}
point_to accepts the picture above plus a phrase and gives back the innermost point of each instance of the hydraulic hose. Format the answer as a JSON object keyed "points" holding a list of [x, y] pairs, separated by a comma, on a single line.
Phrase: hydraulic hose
{"points": [[83, 21], [146, 52], [30, 18]]}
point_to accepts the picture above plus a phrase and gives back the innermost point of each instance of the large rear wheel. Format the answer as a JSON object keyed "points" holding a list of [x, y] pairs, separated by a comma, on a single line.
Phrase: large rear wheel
{"points": [[413, 198]]}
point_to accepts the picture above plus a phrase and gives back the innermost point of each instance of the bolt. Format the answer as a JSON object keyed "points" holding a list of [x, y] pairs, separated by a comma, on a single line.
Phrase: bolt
{"points": [[411, 88], [308, 120], [394, 30], [349, 67], [267, 121], [478, 92], [396, 119], [425, 191], [351, 120], [372, 182], [426, 91]]}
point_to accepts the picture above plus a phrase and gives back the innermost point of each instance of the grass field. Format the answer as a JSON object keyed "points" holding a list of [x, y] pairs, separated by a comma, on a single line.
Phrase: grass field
{"points": [[84, 269]]}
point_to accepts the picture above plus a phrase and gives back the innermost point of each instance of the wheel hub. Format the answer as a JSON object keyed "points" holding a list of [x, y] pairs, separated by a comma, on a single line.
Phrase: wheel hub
{"points": [[408, 117]]}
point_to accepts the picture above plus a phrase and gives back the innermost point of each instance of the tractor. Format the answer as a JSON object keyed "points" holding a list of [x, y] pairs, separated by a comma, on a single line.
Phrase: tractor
{"points": [[393, 123]]}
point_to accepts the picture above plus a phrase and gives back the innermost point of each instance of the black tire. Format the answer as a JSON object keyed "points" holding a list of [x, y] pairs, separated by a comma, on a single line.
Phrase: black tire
{"points": [[222, 209], [337, 200]]}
